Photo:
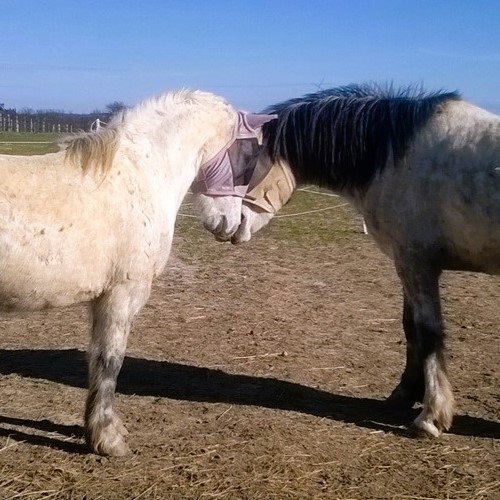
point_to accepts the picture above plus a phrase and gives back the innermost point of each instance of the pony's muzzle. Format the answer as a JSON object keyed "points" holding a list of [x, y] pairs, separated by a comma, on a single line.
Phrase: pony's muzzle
{"points": [[220, 227], [253, 219]]}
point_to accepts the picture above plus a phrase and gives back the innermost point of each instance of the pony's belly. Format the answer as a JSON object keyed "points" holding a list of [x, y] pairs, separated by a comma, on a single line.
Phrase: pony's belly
{"points": [[35, 289], [36, 300], [33, 280], [485, 261], [474, 241]]}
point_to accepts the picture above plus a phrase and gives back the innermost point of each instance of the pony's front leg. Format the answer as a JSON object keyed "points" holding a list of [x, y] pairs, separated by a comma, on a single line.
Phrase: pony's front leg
{"points": [[412, 386], [421, 288], [113, 313]]}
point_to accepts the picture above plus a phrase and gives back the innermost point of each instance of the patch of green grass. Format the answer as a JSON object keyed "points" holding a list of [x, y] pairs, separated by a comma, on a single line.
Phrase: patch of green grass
{"points": [[309, 218], [28, 137], [315, 217], [28, 144]]}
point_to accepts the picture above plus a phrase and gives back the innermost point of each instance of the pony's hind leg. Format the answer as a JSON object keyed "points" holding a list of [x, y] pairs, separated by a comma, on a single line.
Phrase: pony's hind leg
{"points": [[412, 386], [421, 288], [113, 313]]}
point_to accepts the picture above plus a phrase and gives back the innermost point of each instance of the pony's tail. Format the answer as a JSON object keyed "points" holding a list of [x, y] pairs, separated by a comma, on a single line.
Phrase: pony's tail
{"points": [[92, 151]]}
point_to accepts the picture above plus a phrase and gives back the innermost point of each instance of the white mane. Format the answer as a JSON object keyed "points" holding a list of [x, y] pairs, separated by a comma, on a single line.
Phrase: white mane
{"points": [[95, 151], [163, 104]]}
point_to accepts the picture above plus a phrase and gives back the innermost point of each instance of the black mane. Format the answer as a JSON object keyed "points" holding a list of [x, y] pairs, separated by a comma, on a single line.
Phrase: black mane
{"points": [[339, 138]]}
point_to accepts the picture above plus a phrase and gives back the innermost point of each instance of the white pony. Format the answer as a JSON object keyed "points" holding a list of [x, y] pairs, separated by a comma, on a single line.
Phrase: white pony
{"points": [[424, 171], [94, 223]]}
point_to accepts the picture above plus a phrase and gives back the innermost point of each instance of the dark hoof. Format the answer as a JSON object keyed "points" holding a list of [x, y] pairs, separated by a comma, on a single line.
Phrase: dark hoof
{"points": [[423, 430], [416, 432]]}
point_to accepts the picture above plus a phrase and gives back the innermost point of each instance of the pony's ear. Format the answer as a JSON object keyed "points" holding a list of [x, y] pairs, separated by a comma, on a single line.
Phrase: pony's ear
{"points": [[256, 121], [249, 125]]}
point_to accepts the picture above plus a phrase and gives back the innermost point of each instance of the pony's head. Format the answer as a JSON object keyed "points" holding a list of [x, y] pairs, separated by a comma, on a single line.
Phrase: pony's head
{"points": [[223, 181]]}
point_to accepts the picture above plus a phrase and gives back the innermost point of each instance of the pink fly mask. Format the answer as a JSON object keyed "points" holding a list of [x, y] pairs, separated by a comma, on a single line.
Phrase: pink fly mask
{"points": [[229, 172]]}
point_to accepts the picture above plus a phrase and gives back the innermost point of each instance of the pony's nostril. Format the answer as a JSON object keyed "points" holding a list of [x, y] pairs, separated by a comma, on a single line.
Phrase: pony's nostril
{"points": [[208, 226], [213, 224], [221, 226], [218, 227]]}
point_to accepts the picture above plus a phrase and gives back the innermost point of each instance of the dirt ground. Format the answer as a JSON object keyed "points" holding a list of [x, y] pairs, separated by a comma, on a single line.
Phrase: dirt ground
{"points": [[258, 372]]}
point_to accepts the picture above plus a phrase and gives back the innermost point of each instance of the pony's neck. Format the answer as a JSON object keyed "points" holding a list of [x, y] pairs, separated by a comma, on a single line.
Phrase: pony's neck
{"points": [[175, 137]]}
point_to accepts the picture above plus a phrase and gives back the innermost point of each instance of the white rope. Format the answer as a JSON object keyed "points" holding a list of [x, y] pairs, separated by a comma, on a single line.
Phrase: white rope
{"points": [[311, 211], [298, 214], [307, 190]]}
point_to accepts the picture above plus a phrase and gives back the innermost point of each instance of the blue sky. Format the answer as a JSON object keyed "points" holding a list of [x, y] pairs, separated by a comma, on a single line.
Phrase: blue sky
{"points": [[79, 55]]}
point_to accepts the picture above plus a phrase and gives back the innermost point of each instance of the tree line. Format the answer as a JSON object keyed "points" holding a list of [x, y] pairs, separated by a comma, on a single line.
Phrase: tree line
{"points": [[49, 120]]}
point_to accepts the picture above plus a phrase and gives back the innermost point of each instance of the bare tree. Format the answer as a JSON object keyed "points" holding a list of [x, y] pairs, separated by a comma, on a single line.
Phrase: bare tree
{"points": [[114, 107]]}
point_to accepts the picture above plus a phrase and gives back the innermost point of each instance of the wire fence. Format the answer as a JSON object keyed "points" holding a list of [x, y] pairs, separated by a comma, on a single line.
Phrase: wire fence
{"points": [[50, 122]]}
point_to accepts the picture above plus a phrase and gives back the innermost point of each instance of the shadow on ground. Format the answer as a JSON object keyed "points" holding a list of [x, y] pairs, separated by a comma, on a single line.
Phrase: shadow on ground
{"points": [[144, 377]]}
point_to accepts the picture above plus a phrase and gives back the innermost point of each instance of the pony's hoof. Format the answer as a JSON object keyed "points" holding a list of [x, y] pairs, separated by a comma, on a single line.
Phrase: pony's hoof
{"points": [[118, 448], [415, 432], [109, 443], [424, 429]]}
